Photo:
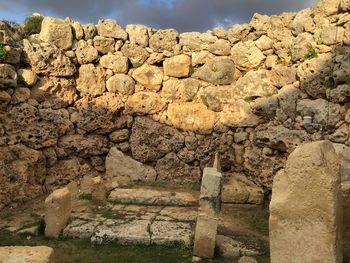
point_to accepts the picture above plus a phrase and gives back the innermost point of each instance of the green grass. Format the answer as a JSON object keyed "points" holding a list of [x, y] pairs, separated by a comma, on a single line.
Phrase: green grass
{"points": [[85, 196], [243, 73], [32, 25], [3, 53], [311, 53], [81, 251], [137, 65], [191, 71], [347, 80], [319, 41]]}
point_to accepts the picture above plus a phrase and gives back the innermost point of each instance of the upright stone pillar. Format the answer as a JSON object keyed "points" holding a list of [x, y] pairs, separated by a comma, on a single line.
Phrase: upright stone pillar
{"points": [[306, 207], [58, 208], [209, 207]]}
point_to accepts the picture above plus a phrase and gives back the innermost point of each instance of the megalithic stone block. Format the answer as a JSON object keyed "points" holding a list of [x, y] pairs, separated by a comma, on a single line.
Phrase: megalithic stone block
{"points": [[210, 189], [58, 208], [205, 236], [306, 207]]}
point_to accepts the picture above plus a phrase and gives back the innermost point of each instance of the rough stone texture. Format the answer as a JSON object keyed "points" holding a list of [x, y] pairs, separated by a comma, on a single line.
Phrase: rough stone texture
{"points": [[160, 140], [120, 165], [191, 117], [163, 40], [8, 76], [205, 236], [118, 64], [47, 60], [27, 76], [104, 44], [39, 254], [110, 28], [344, 156], [177, 66], [57, 32], [58, 208], [196, 41], [138, 34], [85, 53], [210, 189], [91, 80], [121, 83], [22, 173], [226, 247], [246, 55], [144, 102], [149, 76], [307, 212], [171, 234], [218, 71]]}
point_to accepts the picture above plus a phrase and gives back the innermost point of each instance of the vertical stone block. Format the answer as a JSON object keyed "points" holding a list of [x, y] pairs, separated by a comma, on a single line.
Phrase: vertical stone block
{"points": [[210, 190], [205, 236], [58, 208], [306, 208]]}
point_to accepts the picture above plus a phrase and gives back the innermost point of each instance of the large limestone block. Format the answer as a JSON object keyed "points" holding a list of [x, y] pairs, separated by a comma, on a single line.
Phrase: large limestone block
{"points": [[26, 254], [177, 66], [138, 34], [218, 71], [246, 55], [91, 80], [104, 44], [137, 54], [196, 41], [58, 208], [57, 32], [209, 199], [164, 40], [120, 165], [191, 117], [85, 53], [205, 236], [306, 208], [119, 64], [121, 83], [344, 156], [110, 28], [144, 102], [149, 76]]}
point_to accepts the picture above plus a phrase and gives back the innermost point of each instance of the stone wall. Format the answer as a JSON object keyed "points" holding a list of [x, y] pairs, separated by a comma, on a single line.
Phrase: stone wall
{"points": [[171, 100]]}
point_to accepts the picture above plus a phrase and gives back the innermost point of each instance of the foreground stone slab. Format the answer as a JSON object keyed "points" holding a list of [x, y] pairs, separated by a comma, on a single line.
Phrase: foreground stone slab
{"points": [[152, 197], [58, 208], [306, 208], [171, 234], [205, 236], [26, 254]]}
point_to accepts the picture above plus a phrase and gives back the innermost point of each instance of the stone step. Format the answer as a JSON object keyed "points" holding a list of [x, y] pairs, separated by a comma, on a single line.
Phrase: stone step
{"points": [[145, 196]]}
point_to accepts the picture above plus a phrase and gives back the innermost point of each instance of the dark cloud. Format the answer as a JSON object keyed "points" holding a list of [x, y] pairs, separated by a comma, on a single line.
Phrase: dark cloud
{"points": [[184, 15]]}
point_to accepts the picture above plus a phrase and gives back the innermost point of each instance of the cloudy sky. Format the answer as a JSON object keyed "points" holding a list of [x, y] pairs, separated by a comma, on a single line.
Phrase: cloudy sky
{"points": [[184, 15]]}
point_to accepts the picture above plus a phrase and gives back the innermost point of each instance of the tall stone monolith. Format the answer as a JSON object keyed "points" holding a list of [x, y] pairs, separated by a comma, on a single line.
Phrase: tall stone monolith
{"points": [[306, 207]]}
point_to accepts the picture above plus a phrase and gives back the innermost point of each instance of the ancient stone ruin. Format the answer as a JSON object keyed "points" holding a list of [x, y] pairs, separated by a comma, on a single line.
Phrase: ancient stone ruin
{"points": [[112, 114]]}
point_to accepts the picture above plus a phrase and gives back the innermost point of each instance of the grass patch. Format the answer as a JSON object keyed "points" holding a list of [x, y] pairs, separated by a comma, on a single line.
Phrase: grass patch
{"points": [[137, 65], [243, 73], [108, 213], [311, 53], [347, 80], [3, 53], [191, 71], [250, 98], [32, 25], [81, 251], [85, 196], [319, 41]]}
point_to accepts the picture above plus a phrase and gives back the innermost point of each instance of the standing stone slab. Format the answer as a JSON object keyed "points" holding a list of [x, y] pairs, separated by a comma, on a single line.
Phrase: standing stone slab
{"points": [[205, 237], [209, 200], [306, 208], [58, 208]]}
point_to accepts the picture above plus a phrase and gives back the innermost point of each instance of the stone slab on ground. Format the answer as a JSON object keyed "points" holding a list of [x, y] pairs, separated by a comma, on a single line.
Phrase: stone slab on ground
{"points": [[26, 254], [227, 247], [152, 197], [167, 233]]}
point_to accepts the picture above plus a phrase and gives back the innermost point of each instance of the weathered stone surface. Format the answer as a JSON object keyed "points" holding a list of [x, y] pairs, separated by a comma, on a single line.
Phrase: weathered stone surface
{"points": [[164, 40], [341, 71], [196, 41], [226, 247], [344, 156], [238, 32], [57, 32], [191, 117], [315, 74], [119, 64], [144, 102], [80, 229], [279, 138], [8, 76], [307, 199], [281, 75], [177, 66], [181, 90], [323, 112], [170, 168], [246, 55], [218, 71], [6, 34], [137, 54], [254, 84], [95, 187], [239, 190], [152, 197], [246, 259], [85, 53], [239, 115], [58, 208], [300, 21], [110, 28], [22, 173], [215, 97], [188, 214], [160, 140], [89, 31], [119, 135], [77, 29], [264, 43], [120, 165], [13, 55], [138, 34], [205, 236], [201, 57], [121, 83], [149, 76], [221, 47], [28, 77], [171, 234], [332, 34], [39, 254], [91, 80], [20, 95], [104, 44], [47, 60]]}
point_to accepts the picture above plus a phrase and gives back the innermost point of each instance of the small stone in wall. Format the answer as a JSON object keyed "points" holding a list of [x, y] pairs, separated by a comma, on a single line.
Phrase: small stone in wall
{"points": [[121, 83], [91, 80], [137, 54], [138, 34], [164, 40], [196, 41], [149, 76], [177, 66], [89, 31], [8, 76], [144, 102], [246, 55], [77, 30], [57, 32], [20, 95], [221, 47], [27, 76], [117, 63], [104, 44], [85, 53]]}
